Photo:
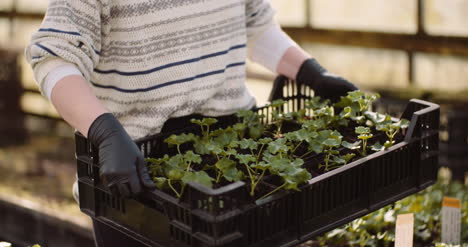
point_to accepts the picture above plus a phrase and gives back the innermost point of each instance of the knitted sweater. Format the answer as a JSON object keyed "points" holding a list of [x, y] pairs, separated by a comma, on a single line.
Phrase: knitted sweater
{"points": [[150, 60]]}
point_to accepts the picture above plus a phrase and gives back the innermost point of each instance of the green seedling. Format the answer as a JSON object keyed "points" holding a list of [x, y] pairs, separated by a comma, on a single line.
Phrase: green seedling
{"points": [[391, 129], [178, 140], [330, 140], [364, 136], [205, 124], [278, 116], [359, 102], [251, 122]]}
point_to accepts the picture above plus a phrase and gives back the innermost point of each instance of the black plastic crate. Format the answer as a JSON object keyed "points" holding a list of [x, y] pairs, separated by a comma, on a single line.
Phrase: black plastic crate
{"points": [[227, 217]]}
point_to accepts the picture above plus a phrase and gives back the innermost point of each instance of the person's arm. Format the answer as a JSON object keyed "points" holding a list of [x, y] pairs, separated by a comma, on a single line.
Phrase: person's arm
{"points": [[63, 53], [76, 103], [269, 46]]}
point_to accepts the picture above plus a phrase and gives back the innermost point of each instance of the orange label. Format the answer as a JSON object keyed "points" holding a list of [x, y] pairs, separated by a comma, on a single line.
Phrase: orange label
{"points": [[451, 202]]}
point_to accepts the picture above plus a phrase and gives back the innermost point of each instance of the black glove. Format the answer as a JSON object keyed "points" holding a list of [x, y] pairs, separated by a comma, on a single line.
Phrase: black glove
{"points": [[324, 84], [122, 165]]}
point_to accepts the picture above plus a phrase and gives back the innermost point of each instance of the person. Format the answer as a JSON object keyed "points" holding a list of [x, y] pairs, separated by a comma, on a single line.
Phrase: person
{"points": [[118, 70]]}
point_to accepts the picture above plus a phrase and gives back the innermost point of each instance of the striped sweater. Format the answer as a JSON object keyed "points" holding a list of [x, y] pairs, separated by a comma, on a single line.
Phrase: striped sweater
{"points": [[150, 60]]}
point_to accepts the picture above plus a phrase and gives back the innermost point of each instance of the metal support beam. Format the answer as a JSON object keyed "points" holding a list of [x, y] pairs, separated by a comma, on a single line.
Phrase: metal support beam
{"points": [[443, 45]]}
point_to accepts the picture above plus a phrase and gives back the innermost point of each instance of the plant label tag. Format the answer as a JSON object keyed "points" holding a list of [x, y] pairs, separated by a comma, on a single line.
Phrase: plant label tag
{"points": [[451, 220], [404, 230]]}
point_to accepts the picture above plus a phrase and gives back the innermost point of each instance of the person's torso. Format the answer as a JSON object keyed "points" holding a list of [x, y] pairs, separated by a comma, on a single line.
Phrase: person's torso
{"points": [[163, 59]]}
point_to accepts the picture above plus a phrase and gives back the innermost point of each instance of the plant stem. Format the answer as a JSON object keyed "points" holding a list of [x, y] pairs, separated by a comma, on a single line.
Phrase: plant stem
{"points": [[364, 147], [178, 149], [188, 166], [248, 170], [273, 191], [294, 150], [173, 189], [218, 177], [254, 184], [306, 154], [260, 152]]}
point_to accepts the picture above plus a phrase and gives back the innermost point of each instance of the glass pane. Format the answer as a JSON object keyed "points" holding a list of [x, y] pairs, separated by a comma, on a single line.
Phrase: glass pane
{"points": [[446, 17], [23, 29], [441, 72], [290, 13], [27, 75], [6, 4], [36, 103], [363, 66], [4, 31], [34, 6], [366, 15]]}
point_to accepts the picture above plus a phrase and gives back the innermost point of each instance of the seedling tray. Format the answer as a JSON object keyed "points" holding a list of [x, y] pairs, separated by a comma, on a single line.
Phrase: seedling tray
{"points": [[227, 216]]}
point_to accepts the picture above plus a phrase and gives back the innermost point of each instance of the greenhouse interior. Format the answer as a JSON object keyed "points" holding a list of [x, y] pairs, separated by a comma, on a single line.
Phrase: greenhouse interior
{"points": [[383, 166]]}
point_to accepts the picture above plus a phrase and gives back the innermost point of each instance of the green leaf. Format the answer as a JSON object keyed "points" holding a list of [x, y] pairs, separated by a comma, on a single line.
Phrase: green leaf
{"points": [[377, 117], [362, 130], [245, 114], [382, 127], [330, 138], [316, 146], [209, 121], [325, 111], [196, 121], [190, 156], [377, 147], [226, 138], [229, 152], [331, 142], [229, 170], [346, 112], [176, 162], [224, 164], [278, 146], [245, 158], [256, 130], [200, 146], [316, 124], [297, 163], [277, 103], [175, 174], [352, 146], [404, 123], [265, 140], [262, 165], [200, 177], [233, 174], [158, 161], [358, 119], [316, 103], [277, 164], [388, 144], [161, 182], [293, 176], [348, 157], [339, 160], [356, 96], [365, 136], [248, 144], [299, 135], [213, 147], [239, 127], [179, 139]]}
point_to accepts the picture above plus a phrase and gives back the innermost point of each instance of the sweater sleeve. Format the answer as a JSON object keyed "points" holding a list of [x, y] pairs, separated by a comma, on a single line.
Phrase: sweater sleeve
{"points": [[259, 17], [69, 34]]}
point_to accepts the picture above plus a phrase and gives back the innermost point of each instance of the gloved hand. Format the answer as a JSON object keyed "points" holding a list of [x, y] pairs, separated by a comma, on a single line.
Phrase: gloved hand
{"points": [[324, 84], [122, 165]]}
